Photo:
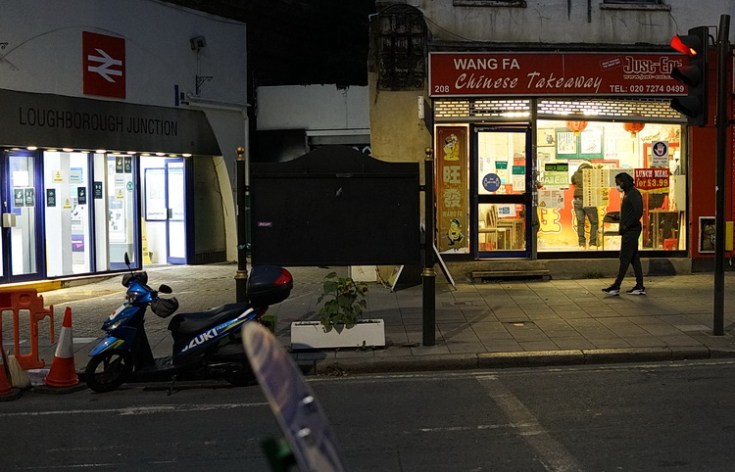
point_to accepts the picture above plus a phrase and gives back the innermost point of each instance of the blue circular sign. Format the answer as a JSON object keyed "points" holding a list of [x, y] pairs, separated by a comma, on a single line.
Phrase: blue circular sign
{"points": [[491, 182]]}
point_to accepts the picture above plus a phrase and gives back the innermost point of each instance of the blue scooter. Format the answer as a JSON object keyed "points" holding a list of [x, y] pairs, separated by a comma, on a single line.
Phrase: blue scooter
{"points": [[205, 344]]}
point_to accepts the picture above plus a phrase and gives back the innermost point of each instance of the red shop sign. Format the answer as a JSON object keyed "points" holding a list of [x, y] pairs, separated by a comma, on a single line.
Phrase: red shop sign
{"points": [[543, 74], [651, 180]]}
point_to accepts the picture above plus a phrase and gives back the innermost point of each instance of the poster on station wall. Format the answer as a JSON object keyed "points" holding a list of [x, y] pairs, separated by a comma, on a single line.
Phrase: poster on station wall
{"points": [[452, 189], [453, 74]]}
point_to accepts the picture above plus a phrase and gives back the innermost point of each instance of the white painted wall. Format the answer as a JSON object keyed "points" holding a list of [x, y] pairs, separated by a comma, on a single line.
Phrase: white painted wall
{"points": [[549, 21], [44, 55], [312, 107]]}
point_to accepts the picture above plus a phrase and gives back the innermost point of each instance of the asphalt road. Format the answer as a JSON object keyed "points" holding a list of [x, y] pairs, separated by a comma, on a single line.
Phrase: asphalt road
{"points": [[663, 416]]}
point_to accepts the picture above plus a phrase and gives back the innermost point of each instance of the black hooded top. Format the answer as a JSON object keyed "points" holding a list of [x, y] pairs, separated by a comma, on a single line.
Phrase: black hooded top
{"points": [[631, 208]]}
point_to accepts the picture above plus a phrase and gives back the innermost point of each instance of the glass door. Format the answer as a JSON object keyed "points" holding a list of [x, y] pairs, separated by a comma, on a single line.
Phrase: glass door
{"points": [[503, 189], [122, 203], [164, 221], [175, 203], [20, 209], [67, 214]]}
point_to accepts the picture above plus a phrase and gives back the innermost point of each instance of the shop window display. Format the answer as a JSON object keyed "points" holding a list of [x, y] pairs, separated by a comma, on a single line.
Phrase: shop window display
{"points": [[650, 152]]}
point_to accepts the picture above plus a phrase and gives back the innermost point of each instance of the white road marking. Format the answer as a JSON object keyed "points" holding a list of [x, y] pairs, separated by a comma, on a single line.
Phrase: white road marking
{"points": [[552, 454], [454, 429], [138, 410], [87, 466]]}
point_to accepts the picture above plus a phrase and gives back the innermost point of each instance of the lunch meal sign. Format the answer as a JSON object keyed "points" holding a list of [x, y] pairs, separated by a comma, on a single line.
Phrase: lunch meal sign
{"points": [[462, 74]]}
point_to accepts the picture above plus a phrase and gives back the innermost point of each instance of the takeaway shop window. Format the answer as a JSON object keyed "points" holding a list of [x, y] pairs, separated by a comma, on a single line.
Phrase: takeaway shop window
{"points": [[577, 163], [490, 3]]}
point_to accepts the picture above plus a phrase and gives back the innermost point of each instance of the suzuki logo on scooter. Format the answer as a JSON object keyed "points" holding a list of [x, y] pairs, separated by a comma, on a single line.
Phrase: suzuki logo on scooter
{"points": [[201, 339]]}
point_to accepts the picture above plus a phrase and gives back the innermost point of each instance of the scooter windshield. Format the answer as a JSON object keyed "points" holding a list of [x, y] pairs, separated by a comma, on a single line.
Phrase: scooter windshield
{"points": [[137, 293]]}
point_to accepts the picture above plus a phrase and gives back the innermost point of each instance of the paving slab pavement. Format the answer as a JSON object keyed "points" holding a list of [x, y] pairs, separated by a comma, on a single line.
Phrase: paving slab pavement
{"points": [[498, 324]]}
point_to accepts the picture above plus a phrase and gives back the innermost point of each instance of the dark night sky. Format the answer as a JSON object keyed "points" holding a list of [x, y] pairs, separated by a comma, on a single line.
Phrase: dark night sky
{"points": [[294, 42]]}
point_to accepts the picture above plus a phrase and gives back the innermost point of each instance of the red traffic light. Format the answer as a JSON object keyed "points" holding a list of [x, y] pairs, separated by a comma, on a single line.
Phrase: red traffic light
{"points": [[688, 44], [693, 75]]}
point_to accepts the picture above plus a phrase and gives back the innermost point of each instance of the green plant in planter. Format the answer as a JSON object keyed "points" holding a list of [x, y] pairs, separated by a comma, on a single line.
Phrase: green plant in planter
{"points": [[345, 301]]}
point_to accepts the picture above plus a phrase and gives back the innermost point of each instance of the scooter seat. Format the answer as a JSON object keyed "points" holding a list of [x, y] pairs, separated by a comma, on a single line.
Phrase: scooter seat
{"points": [[192, 323]]}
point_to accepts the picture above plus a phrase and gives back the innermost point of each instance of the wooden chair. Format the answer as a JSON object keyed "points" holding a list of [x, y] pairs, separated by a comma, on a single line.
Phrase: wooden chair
{"points": [[610, 226], [494, 234]]}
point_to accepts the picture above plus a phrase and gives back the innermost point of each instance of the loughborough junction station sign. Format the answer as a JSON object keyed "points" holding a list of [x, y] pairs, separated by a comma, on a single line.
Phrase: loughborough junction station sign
{"points": [[454, 74]]}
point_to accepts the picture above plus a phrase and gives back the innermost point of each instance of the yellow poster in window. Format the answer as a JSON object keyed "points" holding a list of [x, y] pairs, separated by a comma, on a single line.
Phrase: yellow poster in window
{"points": [[452, 189]]}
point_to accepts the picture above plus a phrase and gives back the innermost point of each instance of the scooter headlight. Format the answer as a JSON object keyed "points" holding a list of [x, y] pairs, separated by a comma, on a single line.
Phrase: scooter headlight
{"points": [[116, 324]]}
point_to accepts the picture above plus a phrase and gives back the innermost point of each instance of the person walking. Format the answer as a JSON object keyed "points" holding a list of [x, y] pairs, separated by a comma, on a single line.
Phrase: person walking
{"points": [[582, 211], [631, 211]]}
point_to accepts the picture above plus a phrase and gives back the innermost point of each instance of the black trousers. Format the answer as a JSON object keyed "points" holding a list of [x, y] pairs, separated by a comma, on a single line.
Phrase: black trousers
{"points": [[629, 256]]}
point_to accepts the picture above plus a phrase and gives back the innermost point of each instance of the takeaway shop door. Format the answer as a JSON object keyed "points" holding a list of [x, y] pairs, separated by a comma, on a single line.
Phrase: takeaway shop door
{"points": [[502, 189], [21, 253]]}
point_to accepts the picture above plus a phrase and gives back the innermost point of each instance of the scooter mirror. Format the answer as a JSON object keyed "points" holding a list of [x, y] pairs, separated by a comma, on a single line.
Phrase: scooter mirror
{"points": [[165, 289], [126, 279]]}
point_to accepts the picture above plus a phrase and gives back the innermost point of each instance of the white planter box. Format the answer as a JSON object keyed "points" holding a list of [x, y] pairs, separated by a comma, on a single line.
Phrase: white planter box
{"points": [[311, 335], [364, 273]]}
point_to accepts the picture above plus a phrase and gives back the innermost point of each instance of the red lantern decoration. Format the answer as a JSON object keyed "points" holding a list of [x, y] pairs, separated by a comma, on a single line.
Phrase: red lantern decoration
{"points": [[576, 126], [633, 128]]}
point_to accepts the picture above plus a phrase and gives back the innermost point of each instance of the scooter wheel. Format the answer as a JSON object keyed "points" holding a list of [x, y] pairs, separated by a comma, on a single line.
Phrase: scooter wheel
{"points": [[241, 377], [107, 371]]}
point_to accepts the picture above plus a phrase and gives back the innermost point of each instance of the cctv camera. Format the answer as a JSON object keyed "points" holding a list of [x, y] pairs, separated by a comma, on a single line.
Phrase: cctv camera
{"points": [[198, 43]]}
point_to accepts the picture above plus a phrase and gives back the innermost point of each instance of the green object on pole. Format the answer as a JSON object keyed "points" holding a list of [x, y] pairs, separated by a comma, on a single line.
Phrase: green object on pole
{"points": [[279, 454]]}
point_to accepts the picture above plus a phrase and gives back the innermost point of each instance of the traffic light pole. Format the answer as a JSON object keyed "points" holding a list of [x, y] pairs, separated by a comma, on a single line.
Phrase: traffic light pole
{"points": [[241, 277], [723, 122], [428, 275]]}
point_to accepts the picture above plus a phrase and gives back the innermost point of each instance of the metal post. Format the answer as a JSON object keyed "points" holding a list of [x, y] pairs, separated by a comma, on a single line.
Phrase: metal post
{"points": [[241, 278], [723, 122], [428, 275]]}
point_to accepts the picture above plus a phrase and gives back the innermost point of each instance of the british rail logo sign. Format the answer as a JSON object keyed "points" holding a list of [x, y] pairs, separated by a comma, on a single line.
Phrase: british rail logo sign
{"points": [[546, 74], [103, 62]]}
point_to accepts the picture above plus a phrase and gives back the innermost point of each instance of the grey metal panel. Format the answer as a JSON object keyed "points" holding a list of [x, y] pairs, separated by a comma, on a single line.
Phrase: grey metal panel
{"points": [[335, 206]]}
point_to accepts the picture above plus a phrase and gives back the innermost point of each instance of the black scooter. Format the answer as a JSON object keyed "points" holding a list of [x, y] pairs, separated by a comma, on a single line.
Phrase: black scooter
{"points": [[206, 344]]}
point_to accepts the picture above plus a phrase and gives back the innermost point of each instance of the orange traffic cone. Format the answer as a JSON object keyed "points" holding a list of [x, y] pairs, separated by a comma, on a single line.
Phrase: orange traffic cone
{"points": [[7, 392], [63, 373]]}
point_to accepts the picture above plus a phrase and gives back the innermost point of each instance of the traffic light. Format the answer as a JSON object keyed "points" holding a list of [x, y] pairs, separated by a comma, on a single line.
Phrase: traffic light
{"points": [[693, 75]]}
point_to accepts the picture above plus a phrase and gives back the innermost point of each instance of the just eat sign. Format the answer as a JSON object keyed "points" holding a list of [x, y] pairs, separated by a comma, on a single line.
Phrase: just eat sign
{"points": [[103, 63]]}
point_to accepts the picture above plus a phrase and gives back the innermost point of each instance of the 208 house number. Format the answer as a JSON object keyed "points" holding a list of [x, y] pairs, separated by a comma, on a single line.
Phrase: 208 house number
{"points": [[441, 88]]}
